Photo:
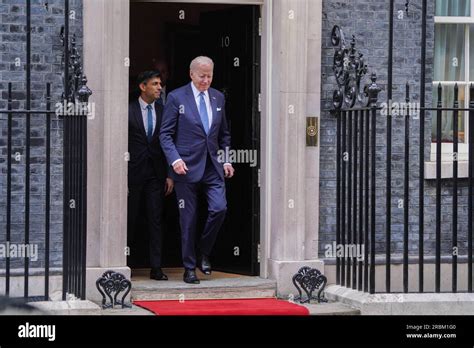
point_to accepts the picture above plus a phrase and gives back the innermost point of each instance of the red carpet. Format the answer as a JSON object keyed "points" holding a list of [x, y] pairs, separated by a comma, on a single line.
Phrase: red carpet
{"points": [[265, 306]]}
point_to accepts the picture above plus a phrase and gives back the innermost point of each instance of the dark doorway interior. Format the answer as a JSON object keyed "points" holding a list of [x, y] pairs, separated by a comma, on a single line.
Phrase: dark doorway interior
{"points": [[176, 33]]}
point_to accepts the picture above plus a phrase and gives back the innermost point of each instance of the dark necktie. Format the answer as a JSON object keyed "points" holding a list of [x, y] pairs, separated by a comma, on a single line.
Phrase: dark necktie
{"points": [[150, 124]]}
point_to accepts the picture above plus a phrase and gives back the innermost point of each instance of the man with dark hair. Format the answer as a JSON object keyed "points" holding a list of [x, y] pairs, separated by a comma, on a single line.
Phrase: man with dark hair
{"points": [[147, 167], [194, 129]]}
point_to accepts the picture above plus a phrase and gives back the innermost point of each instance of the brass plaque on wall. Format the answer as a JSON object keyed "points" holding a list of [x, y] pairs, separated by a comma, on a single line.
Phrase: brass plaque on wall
{"points": [[312, 131]]}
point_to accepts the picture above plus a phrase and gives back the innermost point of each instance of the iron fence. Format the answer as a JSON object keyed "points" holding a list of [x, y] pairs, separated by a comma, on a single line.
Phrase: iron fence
{"points": [[357, 108], [74, 136]]}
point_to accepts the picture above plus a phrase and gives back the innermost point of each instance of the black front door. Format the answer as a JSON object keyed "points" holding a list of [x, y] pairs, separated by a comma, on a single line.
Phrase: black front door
{"points": [[229, 35], [231, 38]]}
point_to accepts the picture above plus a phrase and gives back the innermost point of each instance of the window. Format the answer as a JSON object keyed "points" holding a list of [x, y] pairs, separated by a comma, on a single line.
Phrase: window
{"points": [[453, 8], [453, 63]]}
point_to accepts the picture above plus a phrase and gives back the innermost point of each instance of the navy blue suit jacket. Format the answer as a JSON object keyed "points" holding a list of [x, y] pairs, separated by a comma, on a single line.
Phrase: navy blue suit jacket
{"points": [[146, 159], [182, 134]]}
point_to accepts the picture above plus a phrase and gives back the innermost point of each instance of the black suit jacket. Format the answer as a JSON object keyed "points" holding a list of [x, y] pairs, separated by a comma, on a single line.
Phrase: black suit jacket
{"points": [[146, 159]]}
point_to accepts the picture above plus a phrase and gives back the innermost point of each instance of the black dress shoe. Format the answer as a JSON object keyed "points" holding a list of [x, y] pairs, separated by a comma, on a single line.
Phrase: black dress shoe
{"points": [[157, 274], [205, 265], [190, 277]]}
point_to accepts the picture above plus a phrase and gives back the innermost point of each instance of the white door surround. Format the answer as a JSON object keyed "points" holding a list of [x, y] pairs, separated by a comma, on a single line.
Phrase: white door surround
{"points": [[290, 170]]}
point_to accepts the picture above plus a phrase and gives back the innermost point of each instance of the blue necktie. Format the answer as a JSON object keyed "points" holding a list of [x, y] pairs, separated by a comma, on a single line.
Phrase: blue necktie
{"points": [[150, 123], [203, 113]]}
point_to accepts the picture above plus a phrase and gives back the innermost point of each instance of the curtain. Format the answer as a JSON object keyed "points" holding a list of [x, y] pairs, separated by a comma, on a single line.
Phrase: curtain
{"points": [[450, 64], [447, 116], [449, 46], [453, 7], [471, 52]]}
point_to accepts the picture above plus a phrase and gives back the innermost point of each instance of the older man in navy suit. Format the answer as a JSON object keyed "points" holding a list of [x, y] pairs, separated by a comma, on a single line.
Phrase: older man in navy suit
{"points": [[194, 129]]}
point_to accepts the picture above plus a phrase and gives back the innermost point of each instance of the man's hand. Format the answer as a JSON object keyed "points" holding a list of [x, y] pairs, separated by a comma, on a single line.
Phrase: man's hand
{"points": [[228, 171], [169, 184], [180, 168]]}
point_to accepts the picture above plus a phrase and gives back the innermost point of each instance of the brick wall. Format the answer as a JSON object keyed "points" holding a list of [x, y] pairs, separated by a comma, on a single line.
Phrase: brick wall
{"points": [[368, 21], [46, 55]]}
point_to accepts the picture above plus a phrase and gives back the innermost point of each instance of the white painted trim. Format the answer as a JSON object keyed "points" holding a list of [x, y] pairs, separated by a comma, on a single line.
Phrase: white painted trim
{"points": [[446, 170], [106, 45], [266, 137], [453, 20], [447, 161], [447, 151], [450, 83]]}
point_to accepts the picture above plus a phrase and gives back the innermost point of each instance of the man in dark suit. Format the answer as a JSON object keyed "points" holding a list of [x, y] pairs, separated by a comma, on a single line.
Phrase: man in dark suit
{"points": [[147, 168], [194, 129]]}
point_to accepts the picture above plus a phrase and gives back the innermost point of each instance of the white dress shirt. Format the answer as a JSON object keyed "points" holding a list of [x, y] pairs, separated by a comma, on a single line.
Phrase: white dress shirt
{"points": [[143, 107]]}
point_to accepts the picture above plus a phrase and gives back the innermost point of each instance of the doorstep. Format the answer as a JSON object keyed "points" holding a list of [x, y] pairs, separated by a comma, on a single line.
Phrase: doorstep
{"points": [[219, 285]]}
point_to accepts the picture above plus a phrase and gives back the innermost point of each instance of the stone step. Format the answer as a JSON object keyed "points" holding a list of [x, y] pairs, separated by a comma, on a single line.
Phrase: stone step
{"points": [[331, 308], [217, 286]]}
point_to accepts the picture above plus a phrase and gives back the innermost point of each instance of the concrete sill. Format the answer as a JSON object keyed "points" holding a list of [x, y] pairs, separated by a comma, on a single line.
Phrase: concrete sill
{"points": [[446, 170]]}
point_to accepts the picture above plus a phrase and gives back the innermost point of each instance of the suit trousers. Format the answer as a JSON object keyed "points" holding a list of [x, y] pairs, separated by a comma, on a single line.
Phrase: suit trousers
{"points": [[152, 191], [213, 188]]}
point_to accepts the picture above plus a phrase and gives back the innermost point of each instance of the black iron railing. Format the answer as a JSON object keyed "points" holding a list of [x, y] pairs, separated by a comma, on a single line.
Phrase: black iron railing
{"points": [[75, 97], [357, 191], [357, 201]]}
